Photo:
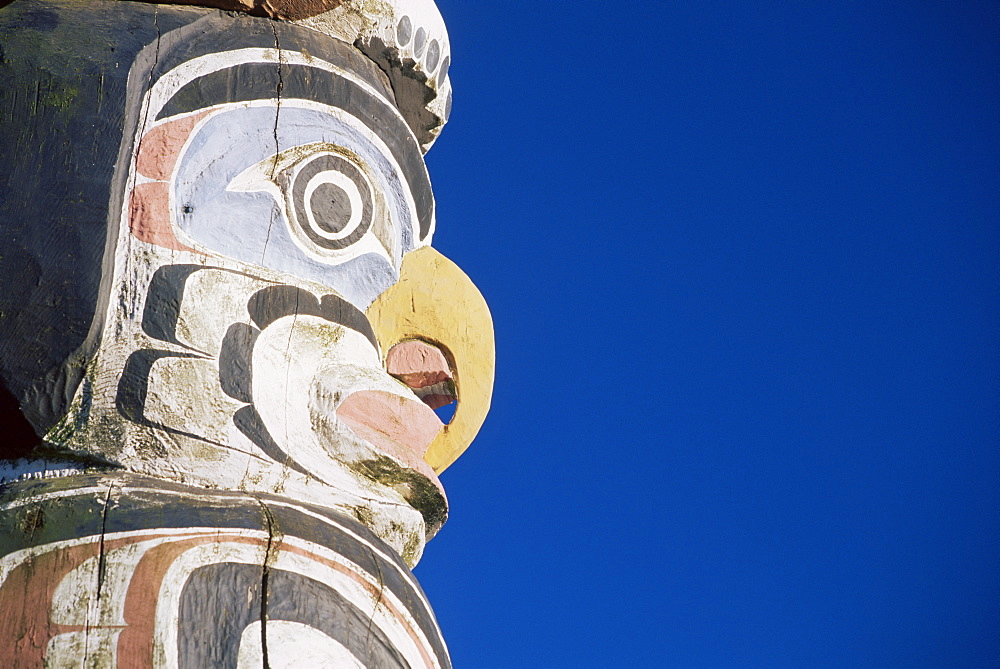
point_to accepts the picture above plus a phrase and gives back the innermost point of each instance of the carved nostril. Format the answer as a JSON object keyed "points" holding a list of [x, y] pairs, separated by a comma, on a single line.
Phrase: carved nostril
{"points": [[424, 368]]}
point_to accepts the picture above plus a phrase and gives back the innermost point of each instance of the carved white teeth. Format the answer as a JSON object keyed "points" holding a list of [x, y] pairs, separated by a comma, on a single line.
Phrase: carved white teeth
{"points": [[425, 52], [409, 41]]}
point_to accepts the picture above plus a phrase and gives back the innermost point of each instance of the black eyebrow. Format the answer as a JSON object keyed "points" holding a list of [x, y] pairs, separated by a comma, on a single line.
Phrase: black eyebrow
{"points": [[262, 81]]}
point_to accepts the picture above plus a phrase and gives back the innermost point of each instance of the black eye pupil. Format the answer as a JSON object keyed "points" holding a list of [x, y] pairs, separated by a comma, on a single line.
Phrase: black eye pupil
{"points": [[331, 206], [187, 209], [332, 202]]}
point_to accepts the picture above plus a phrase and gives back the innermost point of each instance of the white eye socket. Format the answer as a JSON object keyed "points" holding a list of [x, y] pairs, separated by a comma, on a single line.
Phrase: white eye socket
{"points": [[331, 201]]}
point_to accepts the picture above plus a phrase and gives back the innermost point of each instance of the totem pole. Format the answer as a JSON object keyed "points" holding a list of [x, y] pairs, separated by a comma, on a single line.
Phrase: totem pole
{"points": [[224, 332]]}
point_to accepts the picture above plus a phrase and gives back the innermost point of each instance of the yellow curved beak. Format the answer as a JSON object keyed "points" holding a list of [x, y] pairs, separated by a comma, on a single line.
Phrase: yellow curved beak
{"points": [[436, 302]]}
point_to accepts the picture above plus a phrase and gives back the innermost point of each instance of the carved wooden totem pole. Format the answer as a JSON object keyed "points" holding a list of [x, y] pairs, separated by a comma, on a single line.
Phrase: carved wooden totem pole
{"points": [[223, 332]]}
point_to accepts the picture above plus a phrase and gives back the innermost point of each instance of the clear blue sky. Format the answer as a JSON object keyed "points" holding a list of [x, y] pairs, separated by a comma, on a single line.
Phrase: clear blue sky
{"points": [[744, 265]]}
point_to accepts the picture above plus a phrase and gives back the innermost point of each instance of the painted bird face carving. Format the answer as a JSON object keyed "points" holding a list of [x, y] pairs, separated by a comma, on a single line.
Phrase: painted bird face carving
{"points": [[276, 319]]}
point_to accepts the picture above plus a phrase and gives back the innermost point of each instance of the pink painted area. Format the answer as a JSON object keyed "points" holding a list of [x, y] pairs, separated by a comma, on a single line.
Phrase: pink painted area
{"points": [[400, 427], [137, 639], [417, 364], [160, 147], [404, 421], [149, 215], [28, 594]]}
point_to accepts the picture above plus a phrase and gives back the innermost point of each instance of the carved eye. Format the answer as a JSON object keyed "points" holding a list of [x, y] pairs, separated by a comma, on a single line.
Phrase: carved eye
{"points": [[331, 201]]}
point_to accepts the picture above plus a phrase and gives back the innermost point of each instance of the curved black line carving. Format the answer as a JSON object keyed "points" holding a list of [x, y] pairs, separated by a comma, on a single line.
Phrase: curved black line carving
{"points": [[261, 81], [145, 503], [219, 601], [269, 304], [249, 422], [130, 399], [236, 361], [163, 302]]}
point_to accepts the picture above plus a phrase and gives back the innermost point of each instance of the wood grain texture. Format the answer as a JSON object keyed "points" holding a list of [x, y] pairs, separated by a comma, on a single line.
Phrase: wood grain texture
{"points": [[207, 461], [288, 10], [131, 572]]}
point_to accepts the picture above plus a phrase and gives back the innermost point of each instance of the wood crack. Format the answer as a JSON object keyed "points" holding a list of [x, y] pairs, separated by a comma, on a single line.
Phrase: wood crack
{"points": [[270, 553]]}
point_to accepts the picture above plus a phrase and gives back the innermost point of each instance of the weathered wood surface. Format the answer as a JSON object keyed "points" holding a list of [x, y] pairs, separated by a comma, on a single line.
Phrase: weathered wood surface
{"points": [[121, 570], [215, 258]]}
